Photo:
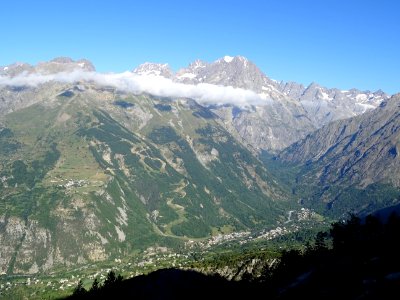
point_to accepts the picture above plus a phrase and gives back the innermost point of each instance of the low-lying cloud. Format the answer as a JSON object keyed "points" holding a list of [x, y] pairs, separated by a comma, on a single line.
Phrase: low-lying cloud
{"points": [[156, 85]]}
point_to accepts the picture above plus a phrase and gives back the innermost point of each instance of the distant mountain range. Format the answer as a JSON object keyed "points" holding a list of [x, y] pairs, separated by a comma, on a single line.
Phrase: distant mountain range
{"points": [[291, 112], [95, 166]]}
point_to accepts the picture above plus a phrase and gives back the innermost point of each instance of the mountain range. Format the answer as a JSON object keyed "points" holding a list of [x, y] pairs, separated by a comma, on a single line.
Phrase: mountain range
{"points": [[352, 156], [96, 166], [290, 110]]}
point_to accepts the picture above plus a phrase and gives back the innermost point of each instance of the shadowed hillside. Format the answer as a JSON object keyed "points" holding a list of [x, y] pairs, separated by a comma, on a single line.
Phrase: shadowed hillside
{"points": [[356, 259]]}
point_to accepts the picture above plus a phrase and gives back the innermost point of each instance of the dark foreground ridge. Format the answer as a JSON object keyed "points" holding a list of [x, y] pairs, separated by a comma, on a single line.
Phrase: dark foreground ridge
{"points": [[356, 259], [168, 284]]}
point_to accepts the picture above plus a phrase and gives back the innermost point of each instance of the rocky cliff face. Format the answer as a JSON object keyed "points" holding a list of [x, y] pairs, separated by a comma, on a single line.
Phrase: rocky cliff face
{"points": [[252, 268]]}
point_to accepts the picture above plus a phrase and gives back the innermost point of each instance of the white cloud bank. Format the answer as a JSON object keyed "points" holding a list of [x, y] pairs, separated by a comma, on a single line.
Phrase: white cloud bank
{"points": [[156, 85]]}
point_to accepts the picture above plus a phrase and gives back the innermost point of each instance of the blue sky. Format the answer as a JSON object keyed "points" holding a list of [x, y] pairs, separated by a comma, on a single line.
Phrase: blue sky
{"points": [[344, 44]]}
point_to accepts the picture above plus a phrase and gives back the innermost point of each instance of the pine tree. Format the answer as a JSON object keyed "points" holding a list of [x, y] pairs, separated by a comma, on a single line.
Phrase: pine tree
{"points": [[95, 286], [79, 290]]}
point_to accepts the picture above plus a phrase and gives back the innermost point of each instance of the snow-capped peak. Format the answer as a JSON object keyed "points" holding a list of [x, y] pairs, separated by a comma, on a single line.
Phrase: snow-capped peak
{"points": [[153, 69], [197, 64], [228, 59]]}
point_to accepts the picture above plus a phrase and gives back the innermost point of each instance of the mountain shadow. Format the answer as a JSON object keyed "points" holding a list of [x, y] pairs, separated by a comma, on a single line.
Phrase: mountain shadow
{"points": [[167, 284], [357, 259]]}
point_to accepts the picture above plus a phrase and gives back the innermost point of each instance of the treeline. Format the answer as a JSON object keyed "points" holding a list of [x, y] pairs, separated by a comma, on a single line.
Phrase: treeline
{"points": [[355, 259], [110, 285]]}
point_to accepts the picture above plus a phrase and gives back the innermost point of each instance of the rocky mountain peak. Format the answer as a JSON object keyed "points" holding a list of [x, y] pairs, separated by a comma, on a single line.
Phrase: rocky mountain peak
{"points": [[324, 105], [292, 89], [227, 59], [64, 64], [15, 69], [56, 65], [155, 69], [198, 64], [62, 60], [313, 85], [233, 59], [380, 92], [236, 71]]}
